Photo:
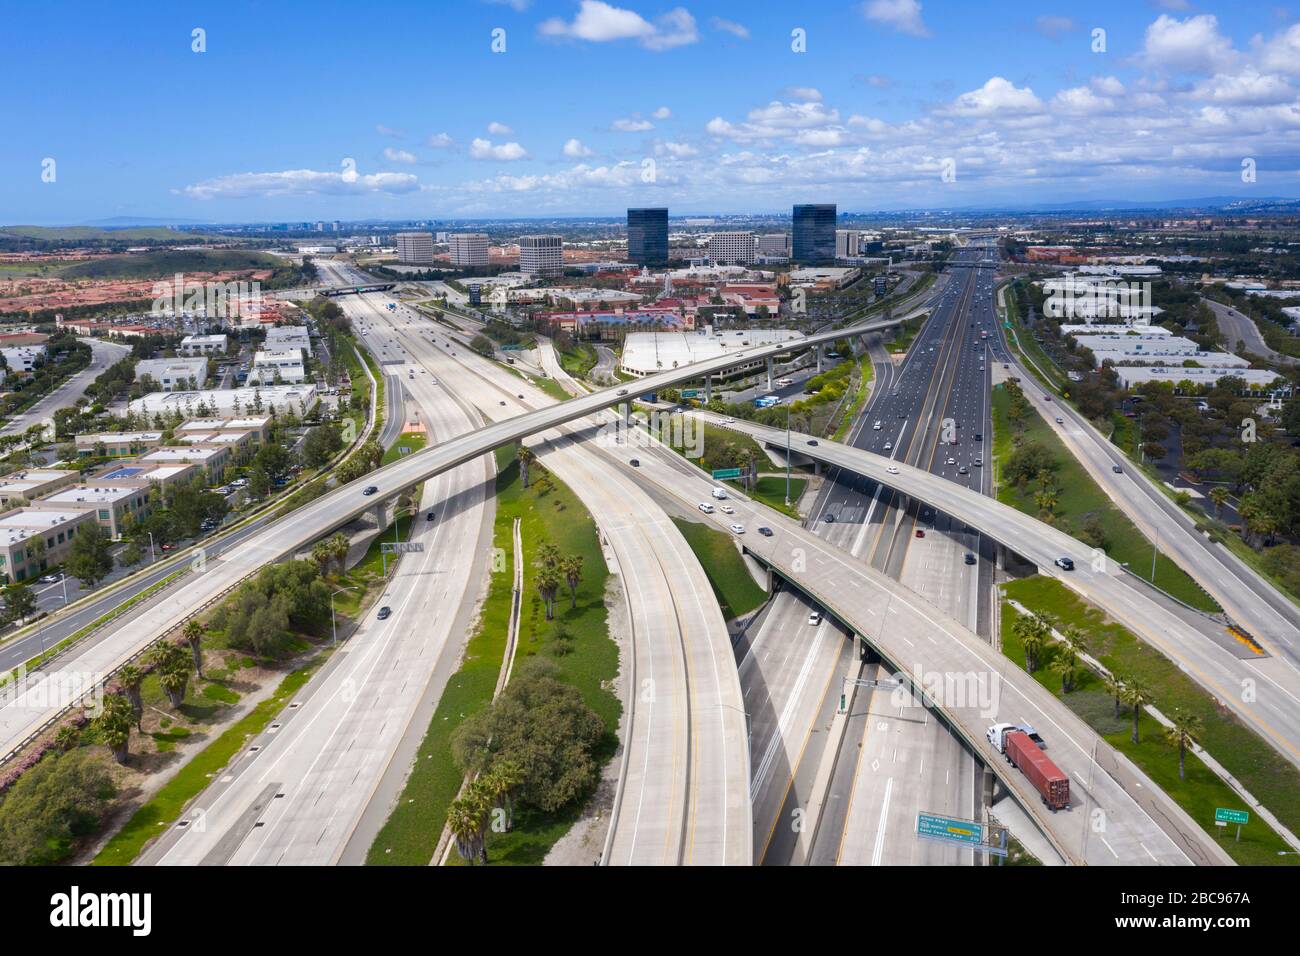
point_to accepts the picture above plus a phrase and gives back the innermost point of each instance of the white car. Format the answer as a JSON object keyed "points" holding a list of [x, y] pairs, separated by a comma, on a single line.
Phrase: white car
{"points": [[729, 421], [738, 528], [706, 507], [888, 445], [952, 461], [892, 469], [814, 618], [719, 493], [727, 509], [876, 426]]}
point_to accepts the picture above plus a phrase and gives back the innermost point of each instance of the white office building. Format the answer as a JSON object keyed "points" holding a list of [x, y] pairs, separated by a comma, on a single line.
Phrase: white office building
{"points": [[468, 248], [1256, 379], [733, 248], [846, 243], [645, 353], [174, 374], [23, 358], [229, 402], [541, 255], [415, 248], [279, 337], [277, 367], [774, 244], [193, 345]]}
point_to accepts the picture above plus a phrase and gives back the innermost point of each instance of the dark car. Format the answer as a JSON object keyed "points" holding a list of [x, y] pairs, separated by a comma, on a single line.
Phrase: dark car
{"points": [[765, 531], [370, 490], [430, 516], [384, 613], [979, 436], [970, 558], [635, 462], [812, 441], [1117, 469], [828, 518], [1065, 564], [920, 532]]}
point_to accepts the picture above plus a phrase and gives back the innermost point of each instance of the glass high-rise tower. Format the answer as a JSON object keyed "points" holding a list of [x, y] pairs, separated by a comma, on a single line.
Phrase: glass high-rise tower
{"points": [[647, 236], [814, 233]]}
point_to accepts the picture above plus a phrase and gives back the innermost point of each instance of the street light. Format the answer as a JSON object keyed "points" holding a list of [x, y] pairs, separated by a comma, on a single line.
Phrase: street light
{"points": [[334, 630], [152, 554], [787, 454]]}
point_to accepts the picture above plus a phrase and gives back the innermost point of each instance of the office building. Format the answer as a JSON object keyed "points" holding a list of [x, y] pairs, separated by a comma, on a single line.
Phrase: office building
{"points": [[172, 375], [647, 236], [280, 337], [541, 255], [193, 345], [814, 233], [733, 248], [468, 248], [774, 244], [415, 248], [846, 243]]}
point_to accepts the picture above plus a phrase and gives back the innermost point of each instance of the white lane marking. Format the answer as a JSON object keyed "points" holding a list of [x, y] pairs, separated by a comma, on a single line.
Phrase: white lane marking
{"points": [[879, 849]]}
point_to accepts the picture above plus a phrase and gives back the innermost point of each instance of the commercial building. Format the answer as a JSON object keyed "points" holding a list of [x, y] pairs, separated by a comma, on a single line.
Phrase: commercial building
{"points": [[468, 248], [1257, 380], [647, 235], [211, 458], [541, 255], [21, 556], [846, 243], [645, 353], [117, 444], [165, 476], [1154, 350], [823, 277], [814, 233], [228, 402], [23, 358], [733, 248], [204, 345], [278, 367], [584, 322], [288, 337], [33, 483], [173, 375], [774, 244], [415, 248], [258, 427], [109, 501]]}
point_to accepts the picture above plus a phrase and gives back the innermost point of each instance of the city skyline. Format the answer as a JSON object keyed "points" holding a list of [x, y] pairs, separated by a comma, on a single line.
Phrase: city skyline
{"points": [[591, 108]]}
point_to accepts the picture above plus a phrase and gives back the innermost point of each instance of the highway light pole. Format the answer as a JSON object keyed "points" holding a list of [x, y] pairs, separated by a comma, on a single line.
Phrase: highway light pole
{"points": [[1155, 549], [787, 454], [152, 554], [334, 630]]}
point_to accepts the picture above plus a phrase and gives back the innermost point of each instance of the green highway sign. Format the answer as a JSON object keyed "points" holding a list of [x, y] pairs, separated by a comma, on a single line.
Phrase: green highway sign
{"points": [[690, 392], [1224, 815], [949, 830], [723, 474]]}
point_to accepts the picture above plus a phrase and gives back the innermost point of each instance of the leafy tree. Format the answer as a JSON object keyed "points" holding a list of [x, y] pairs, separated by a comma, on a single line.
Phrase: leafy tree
{"points": [[89, 559], [20, 602], [131, 555], [275, 460], [55, 802], [321, 444]]}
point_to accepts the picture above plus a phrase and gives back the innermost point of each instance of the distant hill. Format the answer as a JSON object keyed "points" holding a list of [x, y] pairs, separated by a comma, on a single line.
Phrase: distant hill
{"points": [[166, 263], [94, 233]]}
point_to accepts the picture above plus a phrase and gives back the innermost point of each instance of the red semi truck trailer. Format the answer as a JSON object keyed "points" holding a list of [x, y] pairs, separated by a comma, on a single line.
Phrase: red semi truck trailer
{"points": [[1019, 746]]}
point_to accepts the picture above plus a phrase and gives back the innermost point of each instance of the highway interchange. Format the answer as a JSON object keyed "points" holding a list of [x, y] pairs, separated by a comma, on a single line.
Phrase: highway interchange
{"points": [[818, 783]]}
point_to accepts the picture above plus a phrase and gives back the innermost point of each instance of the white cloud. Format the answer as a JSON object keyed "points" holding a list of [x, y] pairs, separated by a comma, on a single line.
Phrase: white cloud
{"points": [[484, 149], [879, 80], [499, 129], [1107, 85], [1081, 100], [903, 16], [599, 22], [302, 182], [574, 148], [1247, 87], [662, 113], [631, 125], [398, 155], [439, 141], [383, 130], [1193, 45], [731, 26], [998, 95], [1282, 53], [676, 150]]}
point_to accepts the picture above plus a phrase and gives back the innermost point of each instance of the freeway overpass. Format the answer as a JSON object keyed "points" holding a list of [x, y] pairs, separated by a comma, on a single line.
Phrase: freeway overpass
{"points": [[337, 290], [1222, 666]]}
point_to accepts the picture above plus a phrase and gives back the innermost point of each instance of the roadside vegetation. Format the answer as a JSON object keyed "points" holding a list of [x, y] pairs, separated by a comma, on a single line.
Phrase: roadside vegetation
{"points": [[1116, 710], [733, 585]]}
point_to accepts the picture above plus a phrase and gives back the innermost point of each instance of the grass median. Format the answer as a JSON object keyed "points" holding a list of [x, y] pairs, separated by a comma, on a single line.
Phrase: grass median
{"points": [[734, 586]]}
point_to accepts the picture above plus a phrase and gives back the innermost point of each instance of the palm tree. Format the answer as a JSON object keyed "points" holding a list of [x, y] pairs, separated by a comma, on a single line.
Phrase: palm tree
{"points": [[1137, 695], [1066, 664], [339, 546], [193, 634], [502, 782], [114, 725], [467, 819], [1027, 631], [1219, 495], [548, 556], [525, 457], [1073, 639], [323, 555], [1114, 685], [129, 678], [1186, 728], [67, 738], [548, 585], [173, 667], [571, 568]]}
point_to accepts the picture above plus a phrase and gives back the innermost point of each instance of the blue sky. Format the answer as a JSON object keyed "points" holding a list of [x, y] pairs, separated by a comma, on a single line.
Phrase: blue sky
{"points": [[591, 107]]}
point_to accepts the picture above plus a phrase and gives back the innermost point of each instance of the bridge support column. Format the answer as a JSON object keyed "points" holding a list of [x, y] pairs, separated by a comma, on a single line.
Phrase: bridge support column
{"points": [[819, 357], [769, 373], [708, 389], [381, 515], [627, 414]]}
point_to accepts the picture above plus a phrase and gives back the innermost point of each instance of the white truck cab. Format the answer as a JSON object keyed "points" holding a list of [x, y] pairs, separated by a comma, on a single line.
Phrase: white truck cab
{"points": [[997, 733]]}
